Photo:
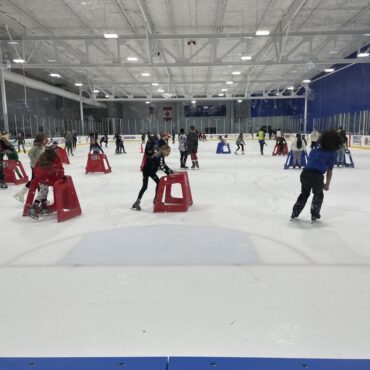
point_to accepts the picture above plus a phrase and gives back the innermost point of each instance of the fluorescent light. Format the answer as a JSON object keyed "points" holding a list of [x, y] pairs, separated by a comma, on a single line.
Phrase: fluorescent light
{"points": [[229, 82], [223, 89], [246, 57], [160, 90], [13, 42], [328, 70], [262, 33], [236, 72], [132, 59], [306, 81], [110, 36], [366, 34], [363, 54], [51, 60], [147, 102], [220, 94], [78, 84], [193, 101], [56, 75], [145, 74], [240, 101], [290, 88], [155, 84], [19, 61], [96, 91], [334, 52]]}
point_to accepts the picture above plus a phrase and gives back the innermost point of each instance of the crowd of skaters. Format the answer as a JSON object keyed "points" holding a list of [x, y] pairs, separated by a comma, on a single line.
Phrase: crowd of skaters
{"points": [[327, 150]]}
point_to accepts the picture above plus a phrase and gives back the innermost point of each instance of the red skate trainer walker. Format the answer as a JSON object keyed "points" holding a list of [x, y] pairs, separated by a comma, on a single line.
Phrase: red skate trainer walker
{"points": [[12, 169], [66, 203], [170, 203], [98, 163], [62, 154]]}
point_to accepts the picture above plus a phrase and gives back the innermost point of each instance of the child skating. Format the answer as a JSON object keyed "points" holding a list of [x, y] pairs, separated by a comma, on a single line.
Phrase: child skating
{"points": [[150, 169], [320, 161], [240, 143]]}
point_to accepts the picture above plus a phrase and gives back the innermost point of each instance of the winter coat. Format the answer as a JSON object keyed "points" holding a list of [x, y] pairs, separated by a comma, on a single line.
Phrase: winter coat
{"points": [[155, 163], [315, 135], [192, 142], [293, 146], [182, 143], [49, 175], [35, 153]]}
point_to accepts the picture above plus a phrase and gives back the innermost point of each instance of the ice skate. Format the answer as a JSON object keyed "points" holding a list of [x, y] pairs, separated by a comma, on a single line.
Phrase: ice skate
{"points": [[136, 205], [33, 212], [315, 218], [20, 195], [3, 185], [193, 165], [197, 164], [293, 216]]}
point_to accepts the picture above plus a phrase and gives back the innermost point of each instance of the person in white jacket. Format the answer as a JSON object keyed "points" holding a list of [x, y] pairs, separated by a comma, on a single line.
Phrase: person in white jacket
{"points": [[297, 147], [315, 135]]}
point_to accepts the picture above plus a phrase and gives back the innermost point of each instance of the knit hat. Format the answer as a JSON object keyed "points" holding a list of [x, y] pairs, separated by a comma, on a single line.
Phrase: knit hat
{"points": [[50, 145]]}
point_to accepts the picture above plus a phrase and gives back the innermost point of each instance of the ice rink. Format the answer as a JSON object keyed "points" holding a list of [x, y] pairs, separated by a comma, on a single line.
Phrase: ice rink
{"points": [[233, 276]]}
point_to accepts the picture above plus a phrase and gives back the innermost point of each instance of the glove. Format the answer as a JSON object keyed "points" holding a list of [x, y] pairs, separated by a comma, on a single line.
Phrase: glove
{"points": [[64, 178]]}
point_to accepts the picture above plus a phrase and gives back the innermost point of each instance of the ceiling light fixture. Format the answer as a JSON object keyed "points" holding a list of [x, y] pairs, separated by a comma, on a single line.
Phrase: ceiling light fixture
{"points": [[106, 95], [290, 88], [155, 84], [236, 73], [220, 94], [329, 70], [262, 33], [240, 101], [193, 102], [160, 90], [13, 42], [147, 102], [19, 61], [306, 81], [55, 75], [145, 74], [363, 54], [132, 59], [223, 89], [51, 60], [110, 36], [334, 52], [229, 82], [95, 91], [246, 57], [78, 84]]}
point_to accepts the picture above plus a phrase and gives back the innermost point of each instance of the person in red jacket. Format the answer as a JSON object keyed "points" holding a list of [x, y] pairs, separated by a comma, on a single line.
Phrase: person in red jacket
{"points": [[48, 169]]}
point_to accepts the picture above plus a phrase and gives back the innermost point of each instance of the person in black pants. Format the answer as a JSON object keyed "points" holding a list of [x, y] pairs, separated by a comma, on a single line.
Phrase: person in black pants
{"points": [[319, 162], [150, 169]]}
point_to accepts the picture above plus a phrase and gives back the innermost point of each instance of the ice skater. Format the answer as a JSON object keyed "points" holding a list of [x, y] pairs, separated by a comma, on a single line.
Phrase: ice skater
{"points": [[261, 138], [150, 169], [315, 135], [34, 153], [240, 143], [104, 139], [297, 147], [320, 161], [48, 170], [183, 149], [95, 148], [192, 144]]}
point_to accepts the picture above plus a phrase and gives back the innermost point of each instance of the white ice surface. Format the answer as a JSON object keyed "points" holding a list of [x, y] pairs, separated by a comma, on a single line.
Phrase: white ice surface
{"points": [[230, 277]]}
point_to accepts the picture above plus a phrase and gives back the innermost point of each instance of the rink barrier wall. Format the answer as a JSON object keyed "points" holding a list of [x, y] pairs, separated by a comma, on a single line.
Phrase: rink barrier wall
{"points": [[180, 363], [355, 141]]}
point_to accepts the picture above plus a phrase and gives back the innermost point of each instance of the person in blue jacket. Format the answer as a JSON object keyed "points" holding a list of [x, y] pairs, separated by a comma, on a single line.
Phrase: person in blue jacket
{"points": [[320, 161]]}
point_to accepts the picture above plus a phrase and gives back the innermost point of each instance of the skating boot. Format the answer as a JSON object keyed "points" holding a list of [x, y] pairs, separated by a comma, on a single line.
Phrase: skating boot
{"points": [[3, 185], [34, 212], [236, 153], [20, 195], [314, 218], [45, 211], [193, 165], [136, 205], [197, 164]]}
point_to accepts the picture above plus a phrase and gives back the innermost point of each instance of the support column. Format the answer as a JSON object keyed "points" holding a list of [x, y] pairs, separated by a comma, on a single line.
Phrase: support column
{"points": [[82, 113], [3, 99], [305, 111]]}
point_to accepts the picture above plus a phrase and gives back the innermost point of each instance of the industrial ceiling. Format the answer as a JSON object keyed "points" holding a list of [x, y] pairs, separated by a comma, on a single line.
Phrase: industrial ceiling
{"points": [[168, 49]]}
